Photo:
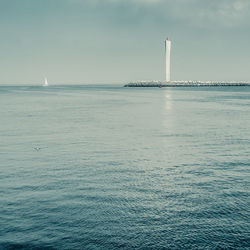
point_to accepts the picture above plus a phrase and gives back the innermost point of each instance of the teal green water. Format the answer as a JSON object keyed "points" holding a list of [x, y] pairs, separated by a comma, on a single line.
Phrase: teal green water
{"points": [[107, 167]]}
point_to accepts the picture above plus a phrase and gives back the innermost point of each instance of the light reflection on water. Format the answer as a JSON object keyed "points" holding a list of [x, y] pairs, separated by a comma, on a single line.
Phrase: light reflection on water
{"points": [[168, 100]]}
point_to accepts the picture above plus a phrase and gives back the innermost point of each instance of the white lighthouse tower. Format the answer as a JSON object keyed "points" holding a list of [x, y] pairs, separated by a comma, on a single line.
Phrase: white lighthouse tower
{"points": [[167, 51]]}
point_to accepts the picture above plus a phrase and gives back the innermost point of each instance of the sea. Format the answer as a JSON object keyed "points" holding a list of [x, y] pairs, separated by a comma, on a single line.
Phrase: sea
{"points": [[109, 167]]}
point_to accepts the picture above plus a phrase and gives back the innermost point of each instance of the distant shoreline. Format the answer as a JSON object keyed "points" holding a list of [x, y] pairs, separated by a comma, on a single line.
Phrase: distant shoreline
{"points": [[184, 84]]}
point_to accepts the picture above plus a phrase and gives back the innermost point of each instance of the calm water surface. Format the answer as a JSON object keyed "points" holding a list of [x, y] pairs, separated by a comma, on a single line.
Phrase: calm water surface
{"points": [[107, 167]]}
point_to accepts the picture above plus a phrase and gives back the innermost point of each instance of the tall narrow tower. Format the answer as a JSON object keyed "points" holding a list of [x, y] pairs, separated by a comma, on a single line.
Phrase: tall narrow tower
{"points": [[167, 51]]}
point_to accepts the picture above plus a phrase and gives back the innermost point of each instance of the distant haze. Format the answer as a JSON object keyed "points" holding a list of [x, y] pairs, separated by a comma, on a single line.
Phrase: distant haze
{"points": [[116, 41]]}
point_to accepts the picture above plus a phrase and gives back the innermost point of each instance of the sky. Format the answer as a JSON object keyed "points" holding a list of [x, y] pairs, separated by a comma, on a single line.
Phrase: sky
{"points": [[117, 41]]}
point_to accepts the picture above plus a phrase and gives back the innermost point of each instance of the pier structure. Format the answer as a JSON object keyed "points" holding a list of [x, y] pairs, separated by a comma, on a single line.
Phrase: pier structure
{"points": [[185, 84]]}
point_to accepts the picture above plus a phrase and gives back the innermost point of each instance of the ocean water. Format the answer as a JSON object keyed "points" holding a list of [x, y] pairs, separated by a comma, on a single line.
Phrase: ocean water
{"points": [[107, 167]]}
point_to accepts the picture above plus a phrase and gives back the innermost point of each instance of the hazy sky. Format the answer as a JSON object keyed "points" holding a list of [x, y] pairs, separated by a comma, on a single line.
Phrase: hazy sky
{"points": [[114, 41]]}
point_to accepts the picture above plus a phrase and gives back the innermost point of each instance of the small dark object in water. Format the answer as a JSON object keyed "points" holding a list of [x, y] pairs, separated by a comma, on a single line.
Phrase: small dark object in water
{"points": [[37, 148]]}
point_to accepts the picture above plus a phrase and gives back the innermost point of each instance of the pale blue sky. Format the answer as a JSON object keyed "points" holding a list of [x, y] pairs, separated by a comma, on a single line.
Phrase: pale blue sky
{"points": [[115, 41]]}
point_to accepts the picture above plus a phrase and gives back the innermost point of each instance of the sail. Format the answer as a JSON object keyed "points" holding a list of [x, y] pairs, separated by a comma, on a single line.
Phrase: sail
{"points": [[45, 82]]}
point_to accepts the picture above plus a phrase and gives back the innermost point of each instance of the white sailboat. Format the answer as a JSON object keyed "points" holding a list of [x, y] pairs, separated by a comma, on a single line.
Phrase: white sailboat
{"points": [[45, 82]]}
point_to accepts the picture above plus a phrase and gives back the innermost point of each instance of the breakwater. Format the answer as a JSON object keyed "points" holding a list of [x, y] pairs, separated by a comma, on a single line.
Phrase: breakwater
{"points": [[184, 84]]}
